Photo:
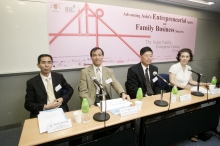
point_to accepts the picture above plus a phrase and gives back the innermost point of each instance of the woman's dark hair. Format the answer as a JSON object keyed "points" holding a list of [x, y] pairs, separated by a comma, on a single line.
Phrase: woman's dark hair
{"points": [[185, 50]]}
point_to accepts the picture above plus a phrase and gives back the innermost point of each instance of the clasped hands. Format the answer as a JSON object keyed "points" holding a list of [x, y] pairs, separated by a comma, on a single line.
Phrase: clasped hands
{"points": [[54, 104]]}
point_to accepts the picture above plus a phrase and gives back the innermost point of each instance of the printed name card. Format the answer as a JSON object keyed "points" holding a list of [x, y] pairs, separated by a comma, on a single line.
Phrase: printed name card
{"points": [[53, 127], [128, 111], [185, 97]]}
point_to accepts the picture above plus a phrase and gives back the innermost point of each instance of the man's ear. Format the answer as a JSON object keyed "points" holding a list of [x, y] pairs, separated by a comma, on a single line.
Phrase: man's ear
{"points": [[38, 65]]}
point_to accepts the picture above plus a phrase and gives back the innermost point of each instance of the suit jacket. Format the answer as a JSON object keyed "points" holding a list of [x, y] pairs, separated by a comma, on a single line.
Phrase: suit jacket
{"points": [[36, 94], [87, 88], [136, 79]]}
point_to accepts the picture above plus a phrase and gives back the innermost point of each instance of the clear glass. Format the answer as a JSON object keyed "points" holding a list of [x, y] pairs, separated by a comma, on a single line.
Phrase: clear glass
{"points": [[173, 97], [85, 117]]}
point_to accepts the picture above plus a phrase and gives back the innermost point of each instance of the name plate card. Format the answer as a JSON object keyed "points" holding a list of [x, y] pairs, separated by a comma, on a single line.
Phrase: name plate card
{"points": [[215, 91], [128, 111], [185, 97], [53, 127]]}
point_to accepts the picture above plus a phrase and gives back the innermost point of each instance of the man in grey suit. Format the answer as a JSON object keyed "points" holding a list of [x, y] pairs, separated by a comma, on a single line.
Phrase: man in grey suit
{"points": [[37, 97], [87, 87]]}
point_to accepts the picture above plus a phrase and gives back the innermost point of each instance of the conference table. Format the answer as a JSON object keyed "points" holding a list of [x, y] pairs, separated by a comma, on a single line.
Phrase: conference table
{"points": [[165, 131]]}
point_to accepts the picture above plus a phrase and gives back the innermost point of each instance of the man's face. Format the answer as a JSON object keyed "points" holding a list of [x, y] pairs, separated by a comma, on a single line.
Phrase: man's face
{"points": [[45, 65], [97, 58], [146, 58]]}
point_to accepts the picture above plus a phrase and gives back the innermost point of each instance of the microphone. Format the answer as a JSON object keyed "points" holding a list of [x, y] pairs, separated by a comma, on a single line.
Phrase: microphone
{"points": [[97, 82], [195, 72], [155, 74], [197, 93], [100, 116], [161, 102]]}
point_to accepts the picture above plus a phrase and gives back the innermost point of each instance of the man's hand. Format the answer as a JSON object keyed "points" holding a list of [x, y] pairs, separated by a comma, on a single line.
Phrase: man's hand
{"points": [[92, 105], [54, 104], [125, 97], [187, 87], [60, 100]]}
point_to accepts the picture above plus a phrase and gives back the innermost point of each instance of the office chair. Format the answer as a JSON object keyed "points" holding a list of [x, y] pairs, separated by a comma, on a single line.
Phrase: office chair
{"points": [[166, 77], [126, 86]]}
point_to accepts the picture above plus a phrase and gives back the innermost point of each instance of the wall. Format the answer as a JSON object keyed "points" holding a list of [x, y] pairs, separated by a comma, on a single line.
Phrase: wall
{"points": [[206, 59]]}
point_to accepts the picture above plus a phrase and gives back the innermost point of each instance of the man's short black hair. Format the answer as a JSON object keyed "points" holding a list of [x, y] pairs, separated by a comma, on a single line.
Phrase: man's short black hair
{"points": [[44, 55], [145, 49], [94, 49]]}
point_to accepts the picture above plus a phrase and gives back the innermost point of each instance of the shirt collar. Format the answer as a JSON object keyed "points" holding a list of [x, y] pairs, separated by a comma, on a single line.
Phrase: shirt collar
{"points": [[95, 67], [44, 78], [144, 67]]}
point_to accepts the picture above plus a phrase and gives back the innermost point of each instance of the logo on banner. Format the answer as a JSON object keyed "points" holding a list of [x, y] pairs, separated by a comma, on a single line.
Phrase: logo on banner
{"points": [[70, 9], [55, 7]]}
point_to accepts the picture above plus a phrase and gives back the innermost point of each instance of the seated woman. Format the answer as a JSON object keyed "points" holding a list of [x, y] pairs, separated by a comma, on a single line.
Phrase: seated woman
{"points": [[180, 76]]}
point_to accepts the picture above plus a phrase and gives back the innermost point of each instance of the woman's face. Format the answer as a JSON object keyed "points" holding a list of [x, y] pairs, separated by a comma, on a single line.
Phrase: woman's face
{"points": [[184, 58]]}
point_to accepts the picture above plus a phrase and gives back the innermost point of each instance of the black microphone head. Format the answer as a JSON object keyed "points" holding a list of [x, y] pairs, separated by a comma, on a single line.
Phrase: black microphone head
{"points": [[154, 73]]}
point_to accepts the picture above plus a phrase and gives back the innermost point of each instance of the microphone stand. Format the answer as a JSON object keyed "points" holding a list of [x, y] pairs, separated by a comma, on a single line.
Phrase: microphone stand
{"points": [[197, 93], [161, 102], [102, 116]]}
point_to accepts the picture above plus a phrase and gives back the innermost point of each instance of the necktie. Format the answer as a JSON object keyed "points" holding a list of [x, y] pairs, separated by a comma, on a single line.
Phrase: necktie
{"points": [[50, 92], [98, 76], [148, 83]]}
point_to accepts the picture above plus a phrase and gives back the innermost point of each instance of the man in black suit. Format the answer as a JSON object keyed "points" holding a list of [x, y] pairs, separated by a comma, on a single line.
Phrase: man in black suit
{"points": [[37, 99], [136, 76]]}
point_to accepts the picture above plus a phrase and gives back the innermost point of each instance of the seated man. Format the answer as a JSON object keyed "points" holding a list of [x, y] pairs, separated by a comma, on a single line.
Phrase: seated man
{"points": [[46, 90], [141, 75], [105, 76]]}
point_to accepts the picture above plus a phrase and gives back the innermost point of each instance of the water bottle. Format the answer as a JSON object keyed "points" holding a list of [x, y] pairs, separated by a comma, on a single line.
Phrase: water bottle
{"points": [[174, 94], [139, 95], [85, 111], [214, 80]]}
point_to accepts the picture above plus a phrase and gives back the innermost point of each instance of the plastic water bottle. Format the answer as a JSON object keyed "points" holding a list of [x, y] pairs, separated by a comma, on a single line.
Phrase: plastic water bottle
{"points": [[174, 94], [214, 80], [139, 95], [85, 111]]}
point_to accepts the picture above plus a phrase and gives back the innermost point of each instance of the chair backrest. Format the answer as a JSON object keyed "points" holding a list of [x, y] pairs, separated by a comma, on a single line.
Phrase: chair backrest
{"points": [[126, 86], [166, 77]]}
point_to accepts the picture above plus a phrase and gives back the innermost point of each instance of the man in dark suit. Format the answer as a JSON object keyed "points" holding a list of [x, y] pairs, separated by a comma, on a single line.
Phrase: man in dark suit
{"points": [[37, 97], [136, 76]]}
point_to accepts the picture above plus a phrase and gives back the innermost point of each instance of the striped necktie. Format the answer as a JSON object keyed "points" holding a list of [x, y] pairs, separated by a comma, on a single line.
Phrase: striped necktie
{"points": [[148, 83], [50, 92], [98, 77]]}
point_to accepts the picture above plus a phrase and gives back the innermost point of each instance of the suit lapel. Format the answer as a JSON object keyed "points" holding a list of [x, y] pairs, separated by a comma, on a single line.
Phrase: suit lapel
{"points": [[151, 75], [53, 76], [104, 76], [91, 71], [141, 72], [40, 83]]}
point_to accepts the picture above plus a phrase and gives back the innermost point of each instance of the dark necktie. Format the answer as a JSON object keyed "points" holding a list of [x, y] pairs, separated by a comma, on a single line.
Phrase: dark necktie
{"points": [[148, 83]]}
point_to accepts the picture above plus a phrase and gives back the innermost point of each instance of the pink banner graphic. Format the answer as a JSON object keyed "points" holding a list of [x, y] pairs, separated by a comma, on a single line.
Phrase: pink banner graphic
{"points": [[75, 28]]}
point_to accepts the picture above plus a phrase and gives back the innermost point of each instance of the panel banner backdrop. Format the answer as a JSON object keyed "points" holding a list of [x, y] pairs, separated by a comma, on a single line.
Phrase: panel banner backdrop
{"points": [[75, 28]]}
